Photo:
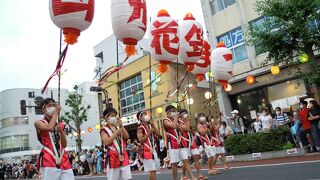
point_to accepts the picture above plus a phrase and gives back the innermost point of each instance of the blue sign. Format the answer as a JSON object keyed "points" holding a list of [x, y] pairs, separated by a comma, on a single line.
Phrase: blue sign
{"points": [[226, 39], [232, 38], [237, 36]]}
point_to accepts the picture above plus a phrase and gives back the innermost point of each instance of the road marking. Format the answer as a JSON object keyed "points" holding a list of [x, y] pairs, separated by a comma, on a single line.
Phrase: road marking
{"points": [[240, 167], [251, 166]]}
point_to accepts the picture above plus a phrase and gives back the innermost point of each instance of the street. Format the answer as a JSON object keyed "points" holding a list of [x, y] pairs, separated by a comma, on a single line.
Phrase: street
{"points": [[307, 170]]}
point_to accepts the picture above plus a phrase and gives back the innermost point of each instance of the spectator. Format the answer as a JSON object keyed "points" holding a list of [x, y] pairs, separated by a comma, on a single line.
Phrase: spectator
{"points": [[237, 122], [314, 118], [305, 132], [99, 160], [281, 119], [130, 148], [90, 160], [225, 130], [266, 120], [2, 170], [163, 149], [296, 127]]}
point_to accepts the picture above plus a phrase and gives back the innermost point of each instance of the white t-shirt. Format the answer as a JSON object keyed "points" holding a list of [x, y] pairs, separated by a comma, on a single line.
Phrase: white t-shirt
{"points": [[266, 121]]}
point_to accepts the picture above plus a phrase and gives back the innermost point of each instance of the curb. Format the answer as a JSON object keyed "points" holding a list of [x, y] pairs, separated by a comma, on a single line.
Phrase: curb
{"points": [[267, 155]]}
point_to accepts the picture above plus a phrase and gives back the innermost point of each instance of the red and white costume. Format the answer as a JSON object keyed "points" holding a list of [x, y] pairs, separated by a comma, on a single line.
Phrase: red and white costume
{"points": [[217, 143], [185, 139], [194, 148], [173, 143], [116, 168], [148, 151], [53, 160], [206, 142]]}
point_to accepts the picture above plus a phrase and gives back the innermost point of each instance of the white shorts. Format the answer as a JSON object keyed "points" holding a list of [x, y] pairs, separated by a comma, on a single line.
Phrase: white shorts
{"points": [[195, 152], [174, 155], [184, 153], [52, 173], [122, 173], [220, 150], [209, 151], [151, 164]]}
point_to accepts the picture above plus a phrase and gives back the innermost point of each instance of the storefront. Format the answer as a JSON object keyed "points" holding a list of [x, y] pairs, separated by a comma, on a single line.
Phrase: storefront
{"points": [[269, 92]]}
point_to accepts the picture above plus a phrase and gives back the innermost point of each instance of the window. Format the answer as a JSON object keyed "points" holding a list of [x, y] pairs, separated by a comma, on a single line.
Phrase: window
{"points": [[14, 143], [219, 5], [14, 121], [235, 41], [131, 96]]}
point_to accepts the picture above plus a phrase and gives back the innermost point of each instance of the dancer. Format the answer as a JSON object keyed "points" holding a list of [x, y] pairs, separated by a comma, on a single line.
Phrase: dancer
{"points": [[217, 144], [114, 139], [188, 143], [53, 160], [171, 128], [147, 134], [204, 132]]}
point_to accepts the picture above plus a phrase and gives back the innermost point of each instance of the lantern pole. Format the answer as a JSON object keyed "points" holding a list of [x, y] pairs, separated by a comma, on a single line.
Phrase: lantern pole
{"points": [[117, 44], [59, 72], [177, 68], [150, 96], [189, 106]]}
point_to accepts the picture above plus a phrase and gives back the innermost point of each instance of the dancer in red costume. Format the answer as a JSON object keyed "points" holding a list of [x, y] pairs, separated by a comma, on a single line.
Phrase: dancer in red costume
{"points": [[147, 134], [53, 160], [114, 139]]}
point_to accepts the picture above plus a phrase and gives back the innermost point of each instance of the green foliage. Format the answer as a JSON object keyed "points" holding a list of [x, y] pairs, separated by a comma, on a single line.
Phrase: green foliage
{"points": [[287, 32], [258, 142], [77, 115]]}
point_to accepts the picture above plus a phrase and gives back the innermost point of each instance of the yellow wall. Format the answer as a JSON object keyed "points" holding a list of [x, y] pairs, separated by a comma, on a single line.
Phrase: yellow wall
{"points": [[167, 83]]}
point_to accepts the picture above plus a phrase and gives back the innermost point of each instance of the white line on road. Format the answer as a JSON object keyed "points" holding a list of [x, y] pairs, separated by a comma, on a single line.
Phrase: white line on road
{"points": [[240, 167]]}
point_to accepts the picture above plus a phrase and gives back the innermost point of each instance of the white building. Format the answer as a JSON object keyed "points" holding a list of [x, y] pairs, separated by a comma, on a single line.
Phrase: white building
{"points": [[18, 139], [106, 52]]}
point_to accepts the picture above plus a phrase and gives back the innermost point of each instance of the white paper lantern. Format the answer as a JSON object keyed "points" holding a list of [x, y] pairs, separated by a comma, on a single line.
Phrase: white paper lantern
{"points": [[73, 16], [164, 35], [129, 20], [201, 67], [191, 40], [221, 64]]}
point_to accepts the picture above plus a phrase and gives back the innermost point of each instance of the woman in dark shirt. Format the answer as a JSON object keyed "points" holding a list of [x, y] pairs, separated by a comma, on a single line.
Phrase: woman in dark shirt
{"points": [[314, 118]]}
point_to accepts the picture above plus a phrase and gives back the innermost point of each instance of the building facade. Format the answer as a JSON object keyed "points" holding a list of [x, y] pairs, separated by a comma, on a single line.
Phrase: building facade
{"points": [[18, 139], [226, 20], [130, 87]]}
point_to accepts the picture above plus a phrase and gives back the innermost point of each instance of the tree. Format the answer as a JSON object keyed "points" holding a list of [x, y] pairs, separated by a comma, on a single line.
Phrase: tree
{"points": [[77, 115], [288, 30]]}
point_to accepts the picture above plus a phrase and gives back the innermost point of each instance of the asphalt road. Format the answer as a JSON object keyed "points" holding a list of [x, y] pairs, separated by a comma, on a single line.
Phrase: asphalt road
{"points": [[309, 170]]}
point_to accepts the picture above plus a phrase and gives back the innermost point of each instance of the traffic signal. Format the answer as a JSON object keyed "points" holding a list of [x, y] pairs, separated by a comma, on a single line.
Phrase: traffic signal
{"points": [[23, 107]]}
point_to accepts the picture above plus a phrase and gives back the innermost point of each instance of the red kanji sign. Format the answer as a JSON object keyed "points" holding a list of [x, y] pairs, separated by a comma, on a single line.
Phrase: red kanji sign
{"points": [[60, 8], [197, 43], [138, 7], [163, 33]]}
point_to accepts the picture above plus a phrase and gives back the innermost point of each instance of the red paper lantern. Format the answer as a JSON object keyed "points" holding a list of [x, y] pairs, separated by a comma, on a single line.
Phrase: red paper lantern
{"points": [[164, 40], [72, 16], [129, 22], [250, 79], [191, 40], [201, 67], [221, 64], [90, 129]]}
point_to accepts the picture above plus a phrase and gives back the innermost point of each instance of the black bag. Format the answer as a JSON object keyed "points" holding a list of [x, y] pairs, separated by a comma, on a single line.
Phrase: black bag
{"points": [[198, 140]]}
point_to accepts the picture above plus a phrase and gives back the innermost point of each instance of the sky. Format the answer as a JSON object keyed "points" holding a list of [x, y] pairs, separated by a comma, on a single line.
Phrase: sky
{"points": [[29, 41]]}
